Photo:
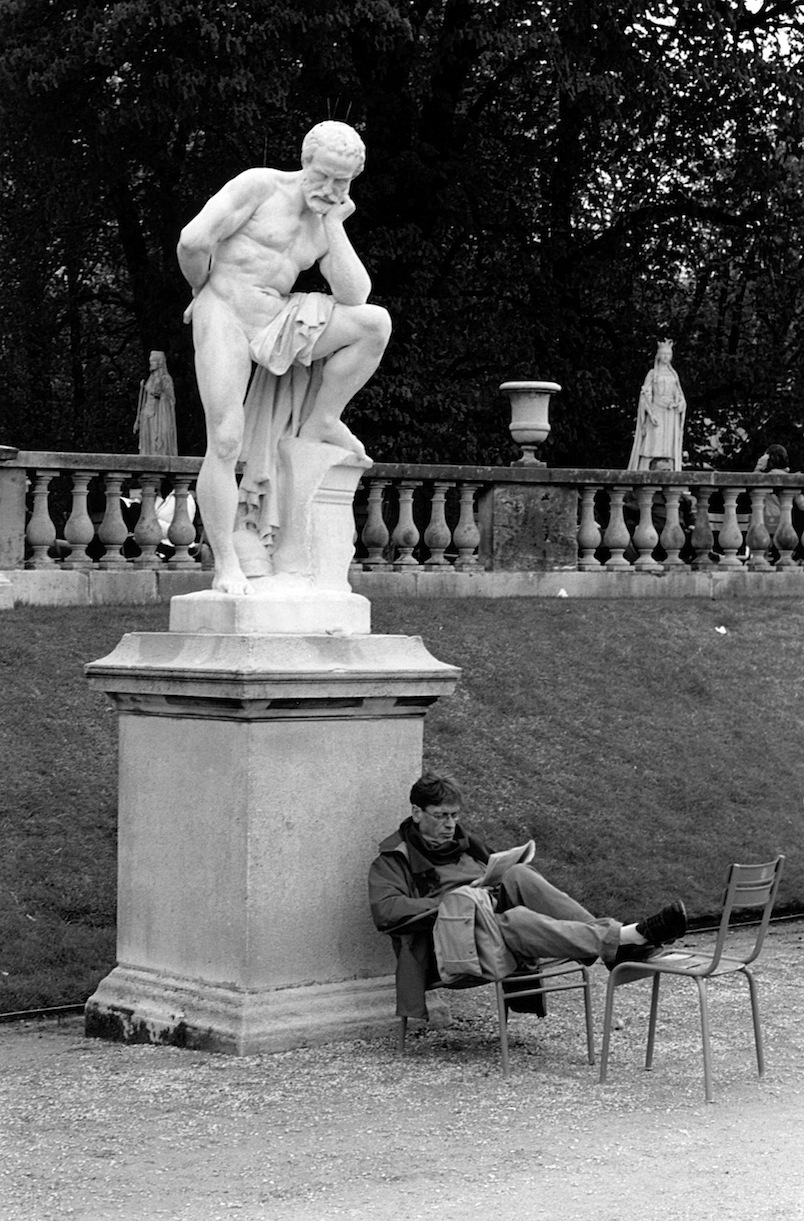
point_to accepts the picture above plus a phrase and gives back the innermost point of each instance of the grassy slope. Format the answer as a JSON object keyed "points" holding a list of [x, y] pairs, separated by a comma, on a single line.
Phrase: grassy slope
{"points": [[643, 749]]}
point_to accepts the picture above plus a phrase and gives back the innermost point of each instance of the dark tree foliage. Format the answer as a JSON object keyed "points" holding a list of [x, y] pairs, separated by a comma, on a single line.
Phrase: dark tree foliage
{"points": [[551, 187]]}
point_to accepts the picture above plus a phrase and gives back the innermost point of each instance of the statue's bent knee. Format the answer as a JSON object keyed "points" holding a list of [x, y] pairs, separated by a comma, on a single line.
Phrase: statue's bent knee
{"points": [[383, 323], [225, 446], [377, 324]]}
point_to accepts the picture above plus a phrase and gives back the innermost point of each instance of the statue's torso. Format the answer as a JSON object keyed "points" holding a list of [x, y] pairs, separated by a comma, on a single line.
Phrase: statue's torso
{"points": [[278, 240], [664, 387]]}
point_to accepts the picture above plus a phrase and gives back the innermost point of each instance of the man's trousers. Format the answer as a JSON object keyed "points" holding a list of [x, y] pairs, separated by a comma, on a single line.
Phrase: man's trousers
{"points": [[539, 921]]}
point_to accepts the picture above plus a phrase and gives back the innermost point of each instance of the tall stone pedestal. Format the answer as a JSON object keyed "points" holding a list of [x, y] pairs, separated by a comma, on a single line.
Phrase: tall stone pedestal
{"points": [[257, 774]]}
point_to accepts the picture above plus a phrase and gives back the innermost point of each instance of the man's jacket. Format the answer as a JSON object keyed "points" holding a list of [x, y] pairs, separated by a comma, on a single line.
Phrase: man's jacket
{"points": [[400, 879]]}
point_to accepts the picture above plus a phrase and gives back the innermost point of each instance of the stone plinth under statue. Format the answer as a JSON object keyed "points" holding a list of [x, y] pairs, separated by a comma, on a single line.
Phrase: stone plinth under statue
{"points": [[266, 740], [257, 774]]}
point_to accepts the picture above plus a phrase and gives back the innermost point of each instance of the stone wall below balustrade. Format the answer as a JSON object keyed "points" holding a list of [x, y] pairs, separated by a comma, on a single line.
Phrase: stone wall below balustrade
{"points": [[39, 588]]}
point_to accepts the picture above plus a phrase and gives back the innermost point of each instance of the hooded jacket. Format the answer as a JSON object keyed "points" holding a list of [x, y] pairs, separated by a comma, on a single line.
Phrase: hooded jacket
{"points": [[403, 885]]}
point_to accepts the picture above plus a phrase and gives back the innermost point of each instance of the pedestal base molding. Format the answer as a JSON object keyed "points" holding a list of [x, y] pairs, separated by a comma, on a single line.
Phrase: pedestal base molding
{"points": [[139, 1006]]}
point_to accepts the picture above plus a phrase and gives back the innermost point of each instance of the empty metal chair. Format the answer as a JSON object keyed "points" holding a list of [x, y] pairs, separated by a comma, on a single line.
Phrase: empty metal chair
{"points": [[748, 886]]}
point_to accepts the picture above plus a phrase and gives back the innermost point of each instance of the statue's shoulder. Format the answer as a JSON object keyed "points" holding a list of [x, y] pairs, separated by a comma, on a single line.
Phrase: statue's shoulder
{"points": [[255, 183], [262, 184]]}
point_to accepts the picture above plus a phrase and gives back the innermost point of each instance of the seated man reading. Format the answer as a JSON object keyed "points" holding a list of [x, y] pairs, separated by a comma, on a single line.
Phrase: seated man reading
{"points": [[431, 854]]}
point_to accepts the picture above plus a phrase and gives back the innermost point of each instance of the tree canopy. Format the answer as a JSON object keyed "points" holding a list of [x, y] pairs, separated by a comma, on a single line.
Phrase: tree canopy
{"points": [[551, 188]]}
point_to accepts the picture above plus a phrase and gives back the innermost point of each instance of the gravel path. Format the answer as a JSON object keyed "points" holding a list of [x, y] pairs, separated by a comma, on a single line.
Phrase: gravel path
{"points": [[98, 1131]]}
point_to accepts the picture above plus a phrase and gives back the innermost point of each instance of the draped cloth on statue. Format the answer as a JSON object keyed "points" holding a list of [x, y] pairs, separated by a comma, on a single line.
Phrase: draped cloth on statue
{"points": [[280, 396]]}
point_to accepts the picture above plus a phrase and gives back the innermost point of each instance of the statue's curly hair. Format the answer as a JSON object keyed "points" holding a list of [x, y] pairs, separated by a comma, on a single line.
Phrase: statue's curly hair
{"points": [[337, 138]]}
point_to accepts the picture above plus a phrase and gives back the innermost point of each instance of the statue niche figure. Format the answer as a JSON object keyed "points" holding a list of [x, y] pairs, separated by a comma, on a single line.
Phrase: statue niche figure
{"points": [[313, 351], [156, 410], [660, 414]]}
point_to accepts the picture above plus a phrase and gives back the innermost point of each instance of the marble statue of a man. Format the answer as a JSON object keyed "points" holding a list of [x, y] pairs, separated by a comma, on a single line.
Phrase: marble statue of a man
{"points": [[313, 351], [660, 415]]}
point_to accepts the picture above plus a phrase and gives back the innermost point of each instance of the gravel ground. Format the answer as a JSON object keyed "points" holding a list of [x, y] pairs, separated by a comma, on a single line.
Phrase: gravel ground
{"points": [[99, 1131]]}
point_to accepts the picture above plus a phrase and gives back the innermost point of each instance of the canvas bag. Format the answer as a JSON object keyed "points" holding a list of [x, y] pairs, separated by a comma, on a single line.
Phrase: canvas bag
{"points": [[467, 938]]}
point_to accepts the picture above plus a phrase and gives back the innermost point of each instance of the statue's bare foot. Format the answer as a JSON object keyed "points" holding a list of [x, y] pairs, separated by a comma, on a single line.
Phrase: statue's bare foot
{"points": [[333, 432], [230, 579]]}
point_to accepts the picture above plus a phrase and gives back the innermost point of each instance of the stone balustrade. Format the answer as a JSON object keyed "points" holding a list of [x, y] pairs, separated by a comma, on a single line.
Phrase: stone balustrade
{"points": [[95, 513]]}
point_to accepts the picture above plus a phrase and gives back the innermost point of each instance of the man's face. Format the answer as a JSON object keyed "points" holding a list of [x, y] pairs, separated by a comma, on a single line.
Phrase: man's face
{"points": [[436, 823], [326, 180]]}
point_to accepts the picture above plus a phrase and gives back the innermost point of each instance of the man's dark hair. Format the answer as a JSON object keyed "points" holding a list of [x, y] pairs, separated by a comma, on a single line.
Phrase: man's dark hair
{"points": [[777, 457], [433, 790]]}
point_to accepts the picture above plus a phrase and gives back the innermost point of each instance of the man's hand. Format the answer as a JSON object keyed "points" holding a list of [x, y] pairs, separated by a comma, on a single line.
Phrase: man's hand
{"points": [[339, 212]]}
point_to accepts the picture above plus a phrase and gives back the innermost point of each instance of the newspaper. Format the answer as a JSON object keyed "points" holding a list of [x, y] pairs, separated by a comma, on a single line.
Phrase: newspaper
{"points": [[499, 862]]}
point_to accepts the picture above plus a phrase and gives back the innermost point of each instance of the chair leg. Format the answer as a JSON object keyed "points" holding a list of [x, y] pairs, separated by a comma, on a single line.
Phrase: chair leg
{"points": [[607, 1020], [400, 1034], [502, 1014], [654, 1009], [707, 1055], [587, 1005], [752, 988]]}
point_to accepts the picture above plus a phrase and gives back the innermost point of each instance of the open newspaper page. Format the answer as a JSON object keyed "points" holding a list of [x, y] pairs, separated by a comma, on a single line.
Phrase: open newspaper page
{"points": [[499, 862]]}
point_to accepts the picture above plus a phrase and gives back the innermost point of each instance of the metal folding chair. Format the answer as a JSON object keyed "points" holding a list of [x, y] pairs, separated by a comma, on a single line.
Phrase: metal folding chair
{"points": [[519, 988], [748, 886]]}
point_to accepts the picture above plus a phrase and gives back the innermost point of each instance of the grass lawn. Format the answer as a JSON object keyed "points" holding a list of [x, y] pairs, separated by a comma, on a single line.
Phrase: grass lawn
{"points": [[644, 745]]}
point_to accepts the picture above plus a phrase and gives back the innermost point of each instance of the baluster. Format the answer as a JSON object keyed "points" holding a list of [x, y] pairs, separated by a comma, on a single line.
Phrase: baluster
{"points": [[182, 531], [375, 535], [41, 532], [148, 531], [616, 537], [731, 536], [757, 539], [589, 532], [113, 531], [785, 540], [645, 537], [703, 540], [405, 536], [437, 536], [672, 536], [79, 530], [355, 565], [467, 534]]}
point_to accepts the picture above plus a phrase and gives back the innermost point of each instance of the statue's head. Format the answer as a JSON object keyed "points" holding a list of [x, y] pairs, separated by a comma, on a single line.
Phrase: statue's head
{"points": [[338, 138], [664, 350], [157, 360]]}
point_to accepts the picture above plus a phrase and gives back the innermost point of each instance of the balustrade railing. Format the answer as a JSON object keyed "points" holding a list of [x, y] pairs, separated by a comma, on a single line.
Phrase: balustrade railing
{"points": [[126, 512], [98, 511], [418, 517]]}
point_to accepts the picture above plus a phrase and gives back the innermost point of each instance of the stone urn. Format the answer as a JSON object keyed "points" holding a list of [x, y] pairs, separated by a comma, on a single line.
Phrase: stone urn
{"points": [[530, 417]]}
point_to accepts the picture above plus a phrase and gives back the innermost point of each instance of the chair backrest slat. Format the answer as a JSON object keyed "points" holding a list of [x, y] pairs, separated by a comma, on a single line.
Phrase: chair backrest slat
{"points": [[753, 886], [753, 894]]}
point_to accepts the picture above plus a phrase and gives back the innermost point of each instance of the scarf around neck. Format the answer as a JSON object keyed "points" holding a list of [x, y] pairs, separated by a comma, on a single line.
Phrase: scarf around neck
{"points": [[443, 855]]}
